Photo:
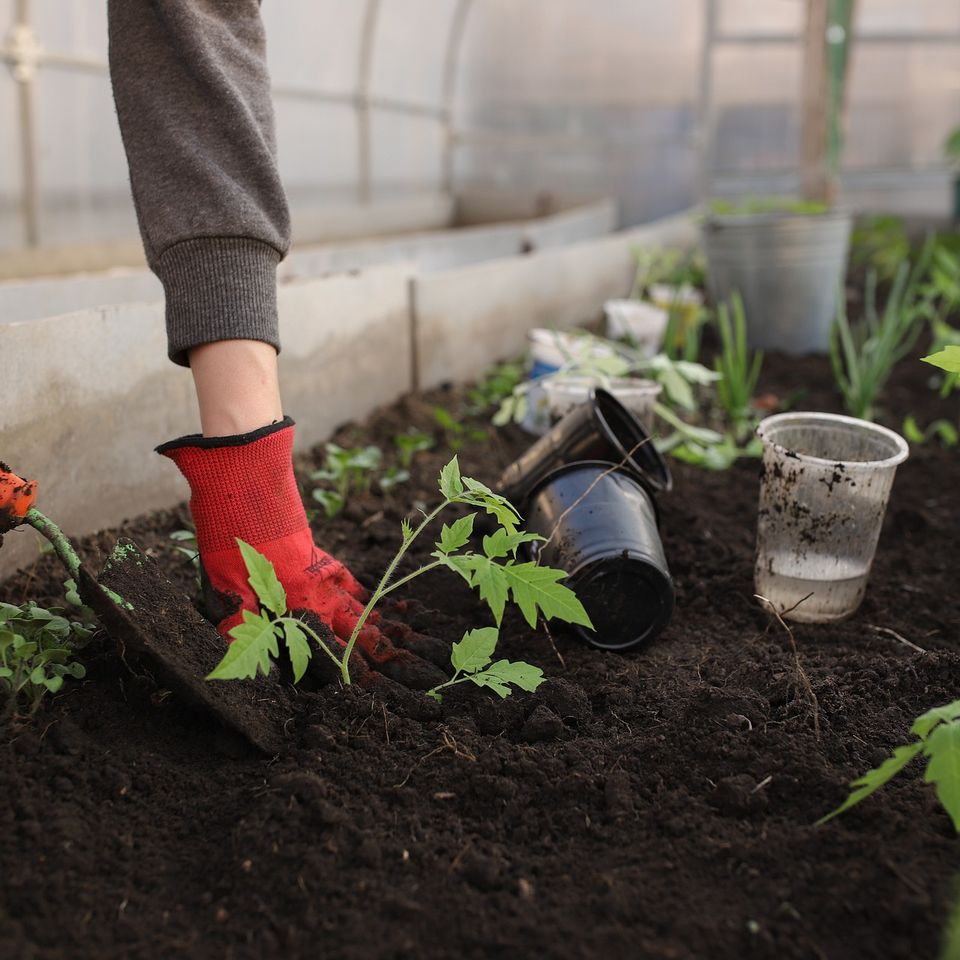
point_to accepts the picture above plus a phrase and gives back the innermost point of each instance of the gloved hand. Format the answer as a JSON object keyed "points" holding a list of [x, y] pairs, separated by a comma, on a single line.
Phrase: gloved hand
{"points": [[16, 498], [244, 487]]}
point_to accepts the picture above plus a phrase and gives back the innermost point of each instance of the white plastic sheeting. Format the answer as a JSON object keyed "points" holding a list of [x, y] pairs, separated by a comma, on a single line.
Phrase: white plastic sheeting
{"points": [[637, 99]]}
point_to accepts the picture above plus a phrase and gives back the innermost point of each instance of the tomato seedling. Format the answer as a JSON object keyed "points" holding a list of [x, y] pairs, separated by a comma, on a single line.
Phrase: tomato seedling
{"points": [[496, 575]]}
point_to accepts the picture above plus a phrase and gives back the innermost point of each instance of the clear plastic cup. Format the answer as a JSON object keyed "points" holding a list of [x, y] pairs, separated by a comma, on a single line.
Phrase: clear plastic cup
{"points": [[823, 494], [638, 396], [643, 322]]}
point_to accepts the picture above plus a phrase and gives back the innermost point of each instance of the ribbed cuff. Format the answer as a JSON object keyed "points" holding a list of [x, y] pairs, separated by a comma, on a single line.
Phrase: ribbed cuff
{"points": [[219, 288]]}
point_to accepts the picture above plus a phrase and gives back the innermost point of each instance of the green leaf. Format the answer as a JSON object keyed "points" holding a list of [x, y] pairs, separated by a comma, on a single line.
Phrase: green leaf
{"points": [[927, 721], [37, 676], [491, 682], [490, 582], [501, 543], [53, 684], [475, 650], [254, 642], [298, 647], [942, 748], [453, 537], [406, 529], [911, 430], [451, 484], [5, 673], [523, 675], [533, 586], [330, 500], [874, 779], [263, 579], [947, 359], [77, 670]]}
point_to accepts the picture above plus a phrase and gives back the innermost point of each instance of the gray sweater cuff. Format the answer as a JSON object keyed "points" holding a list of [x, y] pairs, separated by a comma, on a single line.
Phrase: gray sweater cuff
{"points": [[219, 288]]}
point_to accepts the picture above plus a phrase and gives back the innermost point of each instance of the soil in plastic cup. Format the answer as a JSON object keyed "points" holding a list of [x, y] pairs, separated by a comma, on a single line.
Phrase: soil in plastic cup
{"points": [[638, 396], [685, 302], [823, 494], [643, 323], [601, 527], [600, 429]]}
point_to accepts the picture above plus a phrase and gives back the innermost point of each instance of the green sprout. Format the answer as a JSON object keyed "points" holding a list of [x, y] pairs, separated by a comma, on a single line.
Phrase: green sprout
{"points": [[864, 354], [457, 433], [37, 648], [411, 443], [349, 471], [738, 370]]}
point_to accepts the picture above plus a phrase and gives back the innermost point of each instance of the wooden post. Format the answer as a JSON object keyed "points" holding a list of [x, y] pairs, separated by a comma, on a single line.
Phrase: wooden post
{"points": [[815, 183]]}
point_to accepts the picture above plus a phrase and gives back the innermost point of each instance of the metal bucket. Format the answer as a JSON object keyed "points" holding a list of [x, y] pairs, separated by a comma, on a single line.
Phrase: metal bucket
{"points": [[787, 269]]}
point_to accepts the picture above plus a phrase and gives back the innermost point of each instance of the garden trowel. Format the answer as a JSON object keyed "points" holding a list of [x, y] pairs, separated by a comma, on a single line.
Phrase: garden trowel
{"points": [[155, 626]]}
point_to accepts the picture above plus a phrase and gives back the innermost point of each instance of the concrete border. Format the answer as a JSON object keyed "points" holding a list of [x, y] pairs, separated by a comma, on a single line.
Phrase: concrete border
{"points": [[426, 250]]}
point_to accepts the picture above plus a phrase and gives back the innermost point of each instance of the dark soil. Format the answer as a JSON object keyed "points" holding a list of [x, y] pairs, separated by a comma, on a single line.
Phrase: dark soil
{"points": [[647, 805]]}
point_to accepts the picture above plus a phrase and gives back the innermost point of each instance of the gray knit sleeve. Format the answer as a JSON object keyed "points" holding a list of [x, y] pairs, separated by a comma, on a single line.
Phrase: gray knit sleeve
{"points": [[192, 93]]}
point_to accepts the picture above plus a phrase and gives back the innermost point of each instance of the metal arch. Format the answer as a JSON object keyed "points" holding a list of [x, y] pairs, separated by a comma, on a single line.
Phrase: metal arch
{"points": [[451, 67], [364, 74], [23, 53]]}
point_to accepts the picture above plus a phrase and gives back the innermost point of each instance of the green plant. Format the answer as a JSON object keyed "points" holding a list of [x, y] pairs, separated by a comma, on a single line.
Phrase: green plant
{"points": [[943, 430], [946, 359], [676, 268], [349, 470], [411, 443], [738, 371], [457, 432], [472, 660], [938, 740], [498, 384], [880, 243], [945, 336], [36, 653], [495, 574], [863, 354], [754, 206], [950, 944], [951, 150]]}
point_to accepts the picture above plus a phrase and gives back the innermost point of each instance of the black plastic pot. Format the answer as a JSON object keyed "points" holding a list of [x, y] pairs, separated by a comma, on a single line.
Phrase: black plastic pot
{"points": [[609, 545], [600, 429]]}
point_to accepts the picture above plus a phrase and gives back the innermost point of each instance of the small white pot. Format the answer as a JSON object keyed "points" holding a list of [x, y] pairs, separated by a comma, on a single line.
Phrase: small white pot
{"points": [[644, 322], [638, 396], [550, 350]]}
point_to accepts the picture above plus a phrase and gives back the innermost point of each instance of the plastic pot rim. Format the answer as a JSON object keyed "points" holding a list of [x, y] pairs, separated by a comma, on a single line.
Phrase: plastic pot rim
{"points": [[902, 447], [617, 384], [659, 484], [772, 217]]}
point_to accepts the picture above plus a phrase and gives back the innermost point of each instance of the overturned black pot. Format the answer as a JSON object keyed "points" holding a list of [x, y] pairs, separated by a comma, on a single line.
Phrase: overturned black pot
{"points": [[601, 527], [600, 429]]}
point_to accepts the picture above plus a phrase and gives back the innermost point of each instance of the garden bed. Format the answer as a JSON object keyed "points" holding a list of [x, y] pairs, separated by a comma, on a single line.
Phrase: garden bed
{"points": [[646, 805]]}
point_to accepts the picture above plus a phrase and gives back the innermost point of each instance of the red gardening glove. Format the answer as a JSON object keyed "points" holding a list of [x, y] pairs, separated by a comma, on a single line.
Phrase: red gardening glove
{"points": [[243, 487]]}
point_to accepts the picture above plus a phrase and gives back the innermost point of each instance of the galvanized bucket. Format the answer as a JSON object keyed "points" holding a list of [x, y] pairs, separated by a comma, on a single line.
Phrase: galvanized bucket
{"points": [[787, 268]]}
